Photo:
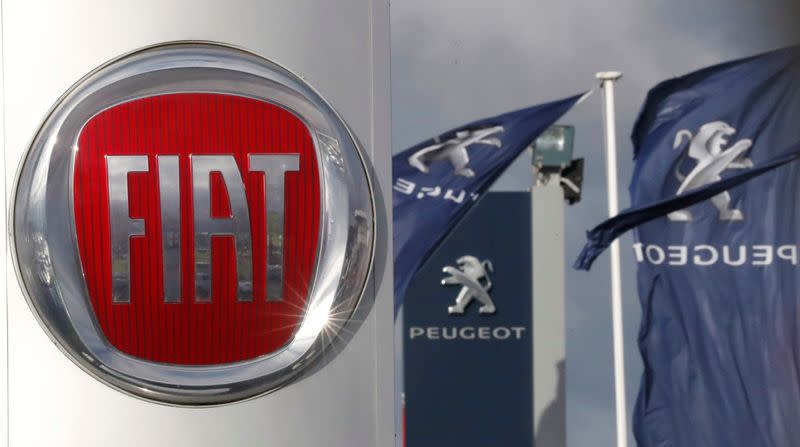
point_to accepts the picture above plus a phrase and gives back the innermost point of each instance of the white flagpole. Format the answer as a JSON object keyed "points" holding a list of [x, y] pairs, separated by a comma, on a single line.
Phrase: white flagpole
{"points": [[607, 80]]}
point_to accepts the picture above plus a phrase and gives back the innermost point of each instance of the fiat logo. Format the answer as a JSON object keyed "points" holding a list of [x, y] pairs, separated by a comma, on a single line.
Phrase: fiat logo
{"points": [[193, 224]]}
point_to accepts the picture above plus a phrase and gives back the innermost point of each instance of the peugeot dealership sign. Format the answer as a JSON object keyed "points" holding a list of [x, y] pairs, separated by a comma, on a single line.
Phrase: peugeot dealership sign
{"points": [[193, 224], [467, 332]]}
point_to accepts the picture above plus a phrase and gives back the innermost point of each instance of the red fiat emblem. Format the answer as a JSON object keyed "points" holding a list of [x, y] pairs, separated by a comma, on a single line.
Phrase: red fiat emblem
{"points": [[216, 232], [197, 218]]}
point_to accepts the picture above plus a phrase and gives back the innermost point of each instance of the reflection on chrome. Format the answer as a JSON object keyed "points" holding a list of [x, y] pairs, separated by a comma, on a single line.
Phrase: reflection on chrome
{"points": [[122, 227], [170, 195], [330, 148], [43, 265], [207, 226], [274, 167]]}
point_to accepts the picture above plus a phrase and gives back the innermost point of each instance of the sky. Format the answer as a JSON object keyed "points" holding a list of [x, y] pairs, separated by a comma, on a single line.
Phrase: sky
{"points": [[454, 61]]}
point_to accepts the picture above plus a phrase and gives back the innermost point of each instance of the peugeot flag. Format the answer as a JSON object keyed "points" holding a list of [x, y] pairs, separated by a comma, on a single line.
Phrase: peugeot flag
{"points": [[437, 181], [755, 91], [715, 206]]}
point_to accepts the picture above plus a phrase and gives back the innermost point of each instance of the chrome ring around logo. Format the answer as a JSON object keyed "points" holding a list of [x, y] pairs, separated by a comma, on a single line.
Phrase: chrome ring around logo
{"points": [[193, 224]]}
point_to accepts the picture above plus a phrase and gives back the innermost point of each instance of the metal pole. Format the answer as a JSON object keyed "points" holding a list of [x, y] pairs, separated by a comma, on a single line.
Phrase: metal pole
{"points": [[548, 286], [607, 82]]}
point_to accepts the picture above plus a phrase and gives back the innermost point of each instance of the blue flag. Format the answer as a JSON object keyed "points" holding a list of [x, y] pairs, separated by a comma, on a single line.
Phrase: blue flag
{"points": [[714, 203], [437, 181], [736, 89]]}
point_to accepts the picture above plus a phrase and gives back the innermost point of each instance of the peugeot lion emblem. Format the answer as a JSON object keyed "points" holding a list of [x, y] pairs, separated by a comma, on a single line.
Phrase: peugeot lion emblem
{"points": [[193, 224], [472, 275], [454, 150], [707, 148]]}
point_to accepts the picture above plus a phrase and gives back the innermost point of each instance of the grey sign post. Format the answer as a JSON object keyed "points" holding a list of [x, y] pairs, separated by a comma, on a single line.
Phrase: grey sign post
{"points": [[557, 178]]}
